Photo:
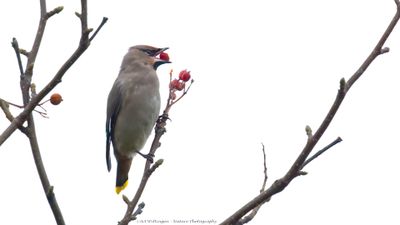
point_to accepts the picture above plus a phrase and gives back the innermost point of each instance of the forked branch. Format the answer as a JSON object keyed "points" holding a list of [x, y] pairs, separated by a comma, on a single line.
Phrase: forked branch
{"points": [[26, 80], [313, 139], [31, 99]]}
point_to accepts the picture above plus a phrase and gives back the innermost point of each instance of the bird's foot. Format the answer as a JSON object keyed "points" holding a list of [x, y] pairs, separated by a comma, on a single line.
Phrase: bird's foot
{"points": [[149, 156], [163, 118]]}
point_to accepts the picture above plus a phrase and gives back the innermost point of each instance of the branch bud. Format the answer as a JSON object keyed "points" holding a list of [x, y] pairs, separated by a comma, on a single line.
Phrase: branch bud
{"points": [[384, 50], [54, 11], [24, 52], [308, 131], [33, 90], [302, 173], [30, 68], [342, 84], [126, 199]]}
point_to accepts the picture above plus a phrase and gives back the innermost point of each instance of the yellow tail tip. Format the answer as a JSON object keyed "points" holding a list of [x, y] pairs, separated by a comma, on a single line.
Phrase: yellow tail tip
{"points": [[118, 189]]}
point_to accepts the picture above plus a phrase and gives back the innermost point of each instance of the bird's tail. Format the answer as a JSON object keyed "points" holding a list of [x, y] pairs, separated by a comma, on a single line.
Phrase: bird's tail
{"points": [[122, 174]]}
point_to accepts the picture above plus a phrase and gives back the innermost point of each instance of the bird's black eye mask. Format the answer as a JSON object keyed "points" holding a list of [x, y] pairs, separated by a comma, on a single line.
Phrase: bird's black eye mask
{"points": [[151, 52]]}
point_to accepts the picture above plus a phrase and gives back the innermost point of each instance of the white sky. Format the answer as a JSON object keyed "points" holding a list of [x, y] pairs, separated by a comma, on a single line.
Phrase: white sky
{"points": [[263, 70]]}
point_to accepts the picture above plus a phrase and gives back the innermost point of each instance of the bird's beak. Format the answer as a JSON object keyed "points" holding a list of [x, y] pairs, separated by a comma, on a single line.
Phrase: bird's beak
{"points": [[157, 51], [161, 50], [157, 60]]}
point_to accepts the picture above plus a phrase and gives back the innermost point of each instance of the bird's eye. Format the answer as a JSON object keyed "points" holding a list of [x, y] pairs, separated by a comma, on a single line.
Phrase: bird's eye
{"points": [[147, 51]]}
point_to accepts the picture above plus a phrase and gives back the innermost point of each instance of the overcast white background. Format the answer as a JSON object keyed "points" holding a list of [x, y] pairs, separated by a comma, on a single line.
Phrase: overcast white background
{"points": [[263, 70]]}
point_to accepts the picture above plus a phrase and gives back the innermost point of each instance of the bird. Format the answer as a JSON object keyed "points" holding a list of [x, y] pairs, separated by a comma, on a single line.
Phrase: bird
{"points": [[133, 107]]}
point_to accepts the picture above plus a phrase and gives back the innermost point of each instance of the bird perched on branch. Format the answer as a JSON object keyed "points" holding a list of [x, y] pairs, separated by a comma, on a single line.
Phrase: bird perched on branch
{"points": [[133, 107]]}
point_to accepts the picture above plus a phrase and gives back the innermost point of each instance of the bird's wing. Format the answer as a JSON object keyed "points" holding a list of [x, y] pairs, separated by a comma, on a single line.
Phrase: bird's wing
{"points": [[113, 107]]}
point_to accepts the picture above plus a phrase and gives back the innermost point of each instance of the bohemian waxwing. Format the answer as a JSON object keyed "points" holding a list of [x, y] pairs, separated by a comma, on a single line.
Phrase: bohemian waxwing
{"points": [[133, 107]]}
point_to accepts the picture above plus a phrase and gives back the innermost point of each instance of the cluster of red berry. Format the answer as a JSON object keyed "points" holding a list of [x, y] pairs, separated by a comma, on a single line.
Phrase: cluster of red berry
{"points": [[179, 84]]}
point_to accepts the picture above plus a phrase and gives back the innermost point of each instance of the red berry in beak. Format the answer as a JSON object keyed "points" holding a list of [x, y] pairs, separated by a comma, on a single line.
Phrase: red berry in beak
{"points": [[164, 56]]}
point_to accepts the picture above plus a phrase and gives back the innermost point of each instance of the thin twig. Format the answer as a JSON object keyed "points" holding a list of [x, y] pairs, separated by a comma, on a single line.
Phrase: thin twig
{"points": [[254, 212], [293, 172], [15, 46], [104, 21], [43, 114], [333, 143], [185, 91], [265, 168]]}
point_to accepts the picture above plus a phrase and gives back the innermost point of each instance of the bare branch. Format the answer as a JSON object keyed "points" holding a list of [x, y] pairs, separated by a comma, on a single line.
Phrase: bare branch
{"points": [[265, 168], [254, 212], [155, 165], [26, 78], [378, 50], [47, 188], [44, 114], [293, 172], [19, 120], [15, 46], [32, 99], [138, 211], [4, 106], [54, 11], [104, 21], [337, 140], [25, 84], [84, 25]]}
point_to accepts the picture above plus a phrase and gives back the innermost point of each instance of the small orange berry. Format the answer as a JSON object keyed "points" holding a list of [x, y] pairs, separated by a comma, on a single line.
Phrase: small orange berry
{"points": [[55, 99]]}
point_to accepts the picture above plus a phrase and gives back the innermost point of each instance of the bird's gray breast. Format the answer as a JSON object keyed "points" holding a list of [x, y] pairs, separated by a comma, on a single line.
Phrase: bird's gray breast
{"points": [[140, 108]]}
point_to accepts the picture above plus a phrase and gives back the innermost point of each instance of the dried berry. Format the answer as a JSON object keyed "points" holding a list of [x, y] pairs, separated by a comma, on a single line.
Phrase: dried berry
{"points": [[55, 99], [177, 85]]}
